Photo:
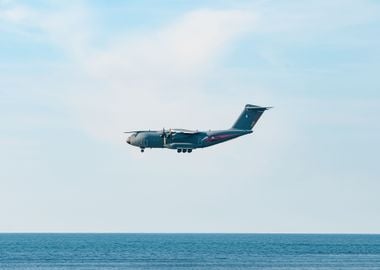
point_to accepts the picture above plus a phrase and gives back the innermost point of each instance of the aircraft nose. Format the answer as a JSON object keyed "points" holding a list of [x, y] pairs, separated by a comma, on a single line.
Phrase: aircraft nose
{"points": [[129, 140]]}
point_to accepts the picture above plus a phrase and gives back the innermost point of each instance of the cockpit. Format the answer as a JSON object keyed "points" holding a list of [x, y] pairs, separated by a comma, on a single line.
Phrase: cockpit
{"points": [[131, 138]]}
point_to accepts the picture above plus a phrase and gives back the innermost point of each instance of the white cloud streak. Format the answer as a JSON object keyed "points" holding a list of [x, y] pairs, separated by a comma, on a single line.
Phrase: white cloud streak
{"points": [[156, 70], [135, 75]]}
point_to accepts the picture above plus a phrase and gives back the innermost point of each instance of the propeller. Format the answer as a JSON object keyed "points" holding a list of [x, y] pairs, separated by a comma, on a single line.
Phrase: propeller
{"points": [[163, 135], [166, 134]]}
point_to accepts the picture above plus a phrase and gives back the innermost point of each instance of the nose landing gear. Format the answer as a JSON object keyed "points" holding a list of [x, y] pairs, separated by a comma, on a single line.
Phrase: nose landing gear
{"points": [[142, 150]]}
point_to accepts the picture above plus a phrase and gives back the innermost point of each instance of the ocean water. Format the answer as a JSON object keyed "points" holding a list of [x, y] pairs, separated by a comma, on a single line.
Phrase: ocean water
{"points": [[189, 251]]}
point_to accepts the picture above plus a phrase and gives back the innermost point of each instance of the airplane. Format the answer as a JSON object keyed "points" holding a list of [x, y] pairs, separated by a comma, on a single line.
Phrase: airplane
{"points": [[186, 141]]}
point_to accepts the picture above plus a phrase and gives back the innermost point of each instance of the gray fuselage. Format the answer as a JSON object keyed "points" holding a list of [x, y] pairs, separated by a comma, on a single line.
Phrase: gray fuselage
{"points": [[186, 140]]}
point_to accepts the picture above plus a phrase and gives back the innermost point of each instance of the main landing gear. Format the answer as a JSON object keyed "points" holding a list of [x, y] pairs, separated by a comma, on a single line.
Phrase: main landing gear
{"points": [[179, 150]]}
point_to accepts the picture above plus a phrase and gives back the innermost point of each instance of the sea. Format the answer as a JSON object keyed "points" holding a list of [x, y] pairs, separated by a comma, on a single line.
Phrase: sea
{"points": [[189, 251]]}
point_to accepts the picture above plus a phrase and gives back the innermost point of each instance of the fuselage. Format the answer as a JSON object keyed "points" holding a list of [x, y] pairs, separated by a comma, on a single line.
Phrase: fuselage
{"points": [[184, 141]]}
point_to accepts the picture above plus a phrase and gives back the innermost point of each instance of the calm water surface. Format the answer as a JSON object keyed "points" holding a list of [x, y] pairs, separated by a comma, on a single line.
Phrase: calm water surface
{"points": [[189, 251]]}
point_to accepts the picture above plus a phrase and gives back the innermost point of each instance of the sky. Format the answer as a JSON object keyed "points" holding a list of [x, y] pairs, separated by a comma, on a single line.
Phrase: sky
{"points": [[75, 74]]}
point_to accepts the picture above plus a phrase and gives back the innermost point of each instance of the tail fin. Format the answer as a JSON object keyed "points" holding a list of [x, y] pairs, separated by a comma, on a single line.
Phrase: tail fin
{"points": [[249, 117]]}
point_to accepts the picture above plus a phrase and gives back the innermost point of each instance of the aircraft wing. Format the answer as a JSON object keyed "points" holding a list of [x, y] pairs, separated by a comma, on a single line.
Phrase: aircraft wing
{"points": [[136, 131], [172, 131], [184, 131]]}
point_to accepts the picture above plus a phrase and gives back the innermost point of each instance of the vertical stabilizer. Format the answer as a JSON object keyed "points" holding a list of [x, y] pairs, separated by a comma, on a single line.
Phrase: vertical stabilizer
{"points": [[249, 117]]}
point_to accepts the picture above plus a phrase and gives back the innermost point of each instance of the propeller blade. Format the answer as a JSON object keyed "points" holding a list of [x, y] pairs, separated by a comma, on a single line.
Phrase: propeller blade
{"points": [[164, 135]]}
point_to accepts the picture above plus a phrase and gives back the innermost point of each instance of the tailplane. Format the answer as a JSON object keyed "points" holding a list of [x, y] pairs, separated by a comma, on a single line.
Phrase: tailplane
{"points": [[249, 117]]}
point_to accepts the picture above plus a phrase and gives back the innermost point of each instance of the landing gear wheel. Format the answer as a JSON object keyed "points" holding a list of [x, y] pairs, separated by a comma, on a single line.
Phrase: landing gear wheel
{"points": [[184, 150], [142, 150], [189, 150], [179, 150]]}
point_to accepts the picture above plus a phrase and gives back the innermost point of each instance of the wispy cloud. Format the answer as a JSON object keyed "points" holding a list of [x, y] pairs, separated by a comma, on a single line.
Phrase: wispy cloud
{"points": [[153, 69]]}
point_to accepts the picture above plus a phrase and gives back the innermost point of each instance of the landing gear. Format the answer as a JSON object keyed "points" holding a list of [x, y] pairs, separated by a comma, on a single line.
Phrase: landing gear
{"points": [[180, 150], [142, 150]]}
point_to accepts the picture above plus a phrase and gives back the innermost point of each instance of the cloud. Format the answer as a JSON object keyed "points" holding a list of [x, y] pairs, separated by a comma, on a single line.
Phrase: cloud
{"points": [[140, 80], [164, 69], [14, 15], [181, 50], [133, 75], [137, 75]]}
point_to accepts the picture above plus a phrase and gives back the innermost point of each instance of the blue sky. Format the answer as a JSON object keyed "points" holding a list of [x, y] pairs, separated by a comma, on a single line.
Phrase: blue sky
{"points": [[75, 75]]}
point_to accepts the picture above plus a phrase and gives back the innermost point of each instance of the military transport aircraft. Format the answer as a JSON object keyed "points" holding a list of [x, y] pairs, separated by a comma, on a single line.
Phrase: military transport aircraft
{"points": [[187, 140]]}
